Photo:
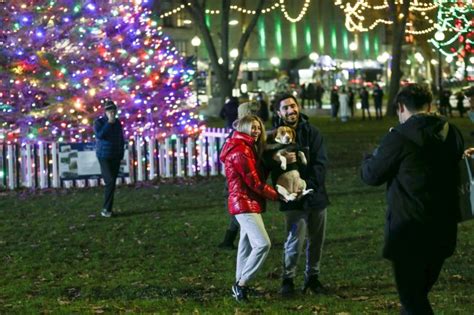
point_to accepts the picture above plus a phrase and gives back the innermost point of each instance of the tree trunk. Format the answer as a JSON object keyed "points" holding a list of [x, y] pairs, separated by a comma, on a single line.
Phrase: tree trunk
{"points": [[226, 78], [399, 17]]}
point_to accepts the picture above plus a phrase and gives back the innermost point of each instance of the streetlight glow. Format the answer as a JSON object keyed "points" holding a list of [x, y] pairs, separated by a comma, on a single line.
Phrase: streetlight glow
{"points": [[234, 53], [196, 41], [275, 61], [313, 56], [353, 46]]}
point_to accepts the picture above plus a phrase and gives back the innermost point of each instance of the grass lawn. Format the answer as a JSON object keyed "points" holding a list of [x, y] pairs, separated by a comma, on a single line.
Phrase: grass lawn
{"points": [[159, 254]]}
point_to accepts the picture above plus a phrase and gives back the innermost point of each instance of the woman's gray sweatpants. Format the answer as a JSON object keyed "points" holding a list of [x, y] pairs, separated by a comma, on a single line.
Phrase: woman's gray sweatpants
{"points": [[254, 246]]}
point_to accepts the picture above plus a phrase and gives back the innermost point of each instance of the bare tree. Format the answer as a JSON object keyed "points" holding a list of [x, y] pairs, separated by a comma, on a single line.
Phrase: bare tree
{"points": [[399, 16], [226, 75]]}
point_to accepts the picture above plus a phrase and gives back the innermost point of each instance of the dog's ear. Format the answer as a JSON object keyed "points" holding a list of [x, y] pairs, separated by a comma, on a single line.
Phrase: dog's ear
{"points": [[293, 134]]}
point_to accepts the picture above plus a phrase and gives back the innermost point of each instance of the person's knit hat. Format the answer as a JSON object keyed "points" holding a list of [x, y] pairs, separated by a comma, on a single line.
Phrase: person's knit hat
{"points": [[109, 105]]}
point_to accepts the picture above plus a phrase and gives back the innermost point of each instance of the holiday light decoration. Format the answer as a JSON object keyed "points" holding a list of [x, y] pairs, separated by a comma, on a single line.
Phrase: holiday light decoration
{"points": [[277, 4], [455, 29], [59, 58], [357, 12]]}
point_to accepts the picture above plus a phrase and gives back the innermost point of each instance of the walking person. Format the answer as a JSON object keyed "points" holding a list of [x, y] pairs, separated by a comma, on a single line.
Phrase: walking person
{"points": [[109, 151], [444, 103], [418, 159], [319, 94], [306, 216], [350, 103], [343, 104], [247, 193], [364, 100], [334, 103], [460, 103], [378, 100]]}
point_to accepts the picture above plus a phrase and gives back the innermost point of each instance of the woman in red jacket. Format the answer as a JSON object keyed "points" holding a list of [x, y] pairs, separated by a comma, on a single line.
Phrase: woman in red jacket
{"points": [[247, 193]]}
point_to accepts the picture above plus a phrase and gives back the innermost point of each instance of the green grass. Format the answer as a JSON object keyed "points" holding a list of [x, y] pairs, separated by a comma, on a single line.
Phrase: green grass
{"points": [[159, 255]]}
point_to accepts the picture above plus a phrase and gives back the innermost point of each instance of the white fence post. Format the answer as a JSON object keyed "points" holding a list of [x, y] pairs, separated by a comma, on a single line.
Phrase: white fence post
{"points": [[167, 157], [138, 147], [29, 165], [222, 140], [54, 158], [11, 167], [179, 165], [161, 158], [190, 151], [42, 171], [202, 155], [212, 154], [151, 157]]}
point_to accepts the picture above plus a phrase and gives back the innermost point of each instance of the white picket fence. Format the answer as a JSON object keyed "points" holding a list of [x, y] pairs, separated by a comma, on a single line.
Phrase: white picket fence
{"points": [[36, 165]]}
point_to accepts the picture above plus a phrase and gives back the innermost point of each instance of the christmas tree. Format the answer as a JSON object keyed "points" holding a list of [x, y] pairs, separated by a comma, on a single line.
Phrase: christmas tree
{"points": [[60, 58], [455, 25]]}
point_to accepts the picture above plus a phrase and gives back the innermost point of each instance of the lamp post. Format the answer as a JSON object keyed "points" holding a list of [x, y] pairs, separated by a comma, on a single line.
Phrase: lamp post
{"points": [[196, 42], [353, 48]]}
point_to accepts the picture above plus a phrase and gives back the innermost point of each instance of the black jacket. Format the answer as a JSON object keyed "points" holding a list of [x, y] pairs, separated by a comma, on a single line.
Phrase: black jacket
{"points": [[419, 162], [109, 139], [310, 140]]}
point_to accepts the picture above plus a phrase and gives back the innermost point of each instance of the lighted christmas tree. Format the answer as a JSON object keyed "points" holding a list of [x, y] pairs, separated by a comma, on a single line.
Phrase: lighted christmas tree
{"points": [[455, 25], [58, 59]]}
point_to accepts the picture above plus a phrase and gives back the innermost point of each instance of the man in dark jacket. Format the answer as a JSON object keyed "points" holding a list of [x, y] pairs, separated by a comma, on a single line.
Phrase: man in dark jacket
{"points": [[418, 160], [305, 217], [109, 151]]}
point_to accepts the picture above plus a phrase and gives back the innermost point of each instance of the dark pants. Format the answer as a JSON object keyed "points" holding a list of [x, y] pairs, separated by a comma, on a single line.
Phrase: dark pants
{"points": [[414, 279], [109, 169]]}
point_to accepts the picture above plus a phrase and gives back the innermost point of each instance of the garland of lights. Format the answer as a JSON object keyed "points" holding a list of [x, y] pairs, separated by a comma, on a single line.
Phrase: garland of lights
{"points": [[456, 29], [59, 58], [277, 4], [355, 18]]}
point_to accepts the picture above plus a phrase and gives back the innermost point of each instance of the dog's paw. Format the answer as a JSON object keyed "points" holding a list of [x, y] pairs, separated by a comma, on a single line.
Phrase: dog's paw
{"points": [[291, 197], [307, 191]]}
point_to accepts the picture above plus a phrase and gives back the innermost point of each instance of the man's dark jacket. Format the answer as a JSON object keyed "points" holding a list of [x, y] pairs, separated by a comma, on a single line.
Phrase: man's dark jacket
{"points": [[419, 162], [309, 139], [109, 139]]}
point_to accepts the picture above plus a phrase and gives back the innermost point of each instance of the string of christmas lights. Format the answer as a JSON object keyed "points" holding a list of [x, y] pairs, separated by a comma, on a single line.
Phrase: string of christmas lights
{"points": [[356, 15], [58, 59], [277, 4]]}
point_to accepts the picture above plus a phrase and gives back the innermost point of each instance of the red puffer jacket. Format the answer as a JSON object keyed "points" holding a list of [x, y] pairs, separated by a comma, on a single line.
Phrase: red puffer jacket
{"points": [[247, 190]]}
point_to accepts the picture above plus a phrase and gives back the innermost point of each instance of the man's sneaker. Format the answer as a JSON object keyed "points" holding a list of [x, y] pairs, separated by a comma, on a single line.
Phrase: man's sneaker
{"points": [[105, 213], [287, 287], [313, 283], [239, 292]]}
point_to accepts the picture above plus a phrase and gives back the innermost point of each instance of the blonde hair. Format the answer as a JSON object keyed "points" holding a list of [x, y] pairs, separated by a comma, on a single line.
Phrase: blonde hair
{"points": [[244, 125]]}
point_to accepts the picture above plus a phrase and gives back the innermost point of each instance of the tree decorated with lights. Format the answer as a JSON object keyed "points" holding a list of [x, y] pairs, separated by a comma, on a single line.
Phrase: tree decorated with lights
{"points": [[59, 58], [406, 18], [455, 24]]}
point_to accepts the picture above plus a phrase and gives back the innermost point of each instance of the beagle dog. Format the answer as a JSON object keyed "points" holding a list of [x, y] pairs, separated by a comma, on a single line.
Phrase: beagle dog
{"points": [[288, 183]]}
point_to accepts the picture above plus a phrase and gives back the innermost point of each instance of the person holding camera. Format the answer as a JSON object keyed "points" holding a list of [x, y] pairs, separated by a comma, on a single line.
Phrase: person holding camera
{"points": [[418, 159], [109, 151]]}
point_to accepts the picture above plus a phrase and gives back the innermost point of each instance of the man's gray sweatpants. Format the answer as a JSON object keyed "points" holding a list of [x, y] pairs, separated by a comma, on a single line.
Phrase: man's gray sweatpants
{"points": [[254, 246], [301, 225]]}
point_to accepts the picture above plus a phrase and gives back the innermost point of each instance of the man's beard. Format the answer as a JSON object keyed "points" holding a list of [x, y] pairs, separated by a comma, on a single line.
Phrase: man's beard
{"points": [[291, 123]]}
